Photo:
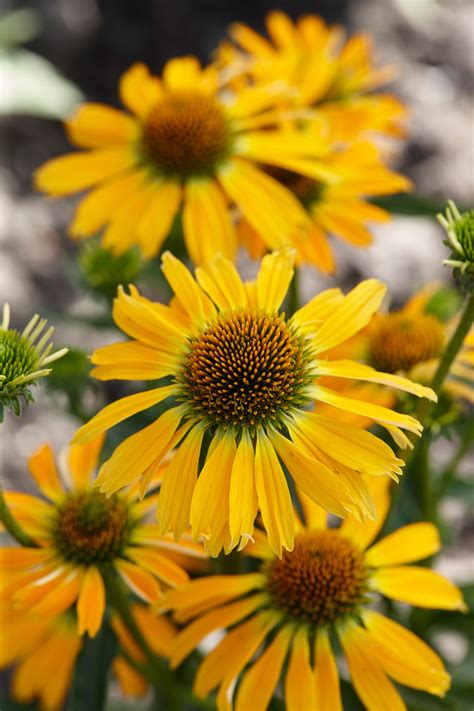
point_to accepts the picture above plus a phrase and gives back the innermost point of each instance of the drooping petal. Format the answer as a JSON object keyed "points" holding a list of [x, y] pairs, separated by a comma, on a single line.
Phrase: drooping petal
{"points": [[405, 656], [243, 504], [418, 586], [161, 566], [143, 584], [274, 498], [260, 680], [177, 487], [407, 544], [326, 677], [371, 683], [362, 534], [91, 602], [300, 689]]}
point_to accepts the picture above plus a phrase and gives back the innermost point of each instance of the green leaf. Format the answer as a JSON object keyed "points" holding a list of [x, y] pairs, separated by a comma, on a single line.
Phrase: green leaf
{"points": [[7, 704], [89, 687], [421, 701]]}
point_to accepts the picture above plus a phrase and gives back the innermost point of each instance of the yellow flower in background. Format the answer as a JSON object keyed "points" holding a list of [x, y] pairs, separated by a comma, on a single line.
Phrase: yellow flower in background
{"points": [[43, 652], [411, 341], [291, 607], [335, 76], [338, 207], [183, 143], [24, 358], [158, 633], [242, 377], [82, 535]]}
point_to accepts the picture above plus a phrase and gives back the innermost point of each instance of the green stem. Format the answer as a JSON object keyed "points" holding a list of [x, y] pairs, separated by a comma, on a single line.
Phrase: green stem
{"points": [[12, 526], [156, 673], [428, 411]]}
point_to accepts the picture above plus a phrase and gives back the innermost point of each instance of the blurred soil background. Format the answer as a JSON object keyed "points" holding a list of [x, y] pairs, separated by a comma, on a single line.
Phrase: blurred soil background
{"points": [[88, 44]]}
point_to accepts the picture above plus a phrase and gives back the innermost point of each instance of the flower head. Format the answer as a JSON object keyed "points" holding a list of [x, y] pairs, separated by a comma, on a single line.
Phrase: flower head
{"points": [[460, 231], [23, 357], [183, 142], [244, 378], [82, 537], [336, 77], [291, 607]]}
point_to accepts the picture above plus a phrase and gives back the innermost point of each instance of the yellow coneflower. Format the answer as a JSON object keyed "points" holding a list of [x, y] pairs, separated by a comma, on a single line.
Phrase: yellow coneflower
{"points": [[183, 142], [81, 536], [24, 358], [338, 207], [337, 78], [43, 652], [243, 377], [291, 607], [411, 341]]}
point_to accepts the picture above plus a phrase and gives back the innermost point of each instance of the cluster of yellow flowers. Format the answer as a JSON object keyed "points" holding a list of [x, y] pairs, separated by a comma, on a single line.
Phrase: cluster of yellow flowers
{"points": [[259, 424]]}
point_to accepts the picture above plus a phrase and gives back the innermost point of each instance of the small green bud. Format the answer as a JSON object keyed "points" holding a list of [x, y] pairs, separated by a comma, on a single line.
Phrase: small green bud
{"points": [[103, 270], [460, 232], [23, 357]]}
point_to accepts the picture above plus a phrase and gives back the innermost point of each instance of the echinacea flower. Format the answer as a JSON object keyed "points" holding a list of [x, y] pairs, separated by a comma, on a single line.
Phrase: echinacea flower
{"points": [[243, 377], [291, 607], [337, 207], [82, 536], [334, 76], [410, 341], [43, 651], [24, 358], [183, 143], [459, 228]]}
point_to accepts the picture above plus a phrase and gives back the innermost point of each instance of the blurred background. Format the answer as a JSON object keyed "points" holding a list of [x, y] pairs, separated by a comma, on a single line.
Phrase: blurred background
{"points": [[53, 54]]}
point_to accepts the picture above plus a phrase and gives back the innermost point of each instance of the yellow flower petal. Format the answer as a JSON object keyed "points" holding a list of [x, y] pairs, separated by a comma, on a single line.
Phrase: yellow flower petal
{"points": [[100, 205], [196, 304], [91, 602], [210, 502], [181, 73], [60, 597], [157, 220], [243, 503], [119, 410], [300, 689], [326, 677], [405, 656], [259, 682], [120, 234], [82, 460], [375, 690], [131, 683], [16, 557], [164, 568], [208, 229], [42, 467], [132, 360], [358, 371], [319, 308], [189, 638], [177, 487], [274, 277], [366, 409], [312, 477], [351, 315], [132, 457], [139, 90], [418, 586], [230, 656], [413, 542], [78, 171], [221, 280], [143, 584], [97, 125], [314, 515], [274, 498]]}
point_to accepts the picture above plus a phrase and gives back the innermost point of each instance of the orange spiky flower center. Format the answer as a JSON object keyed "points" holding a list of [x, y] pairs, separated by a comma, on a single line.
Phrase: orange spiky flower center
{"points": [[321, 580], [91, 528], [402, 340], [246, 369], [186, 133]]}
